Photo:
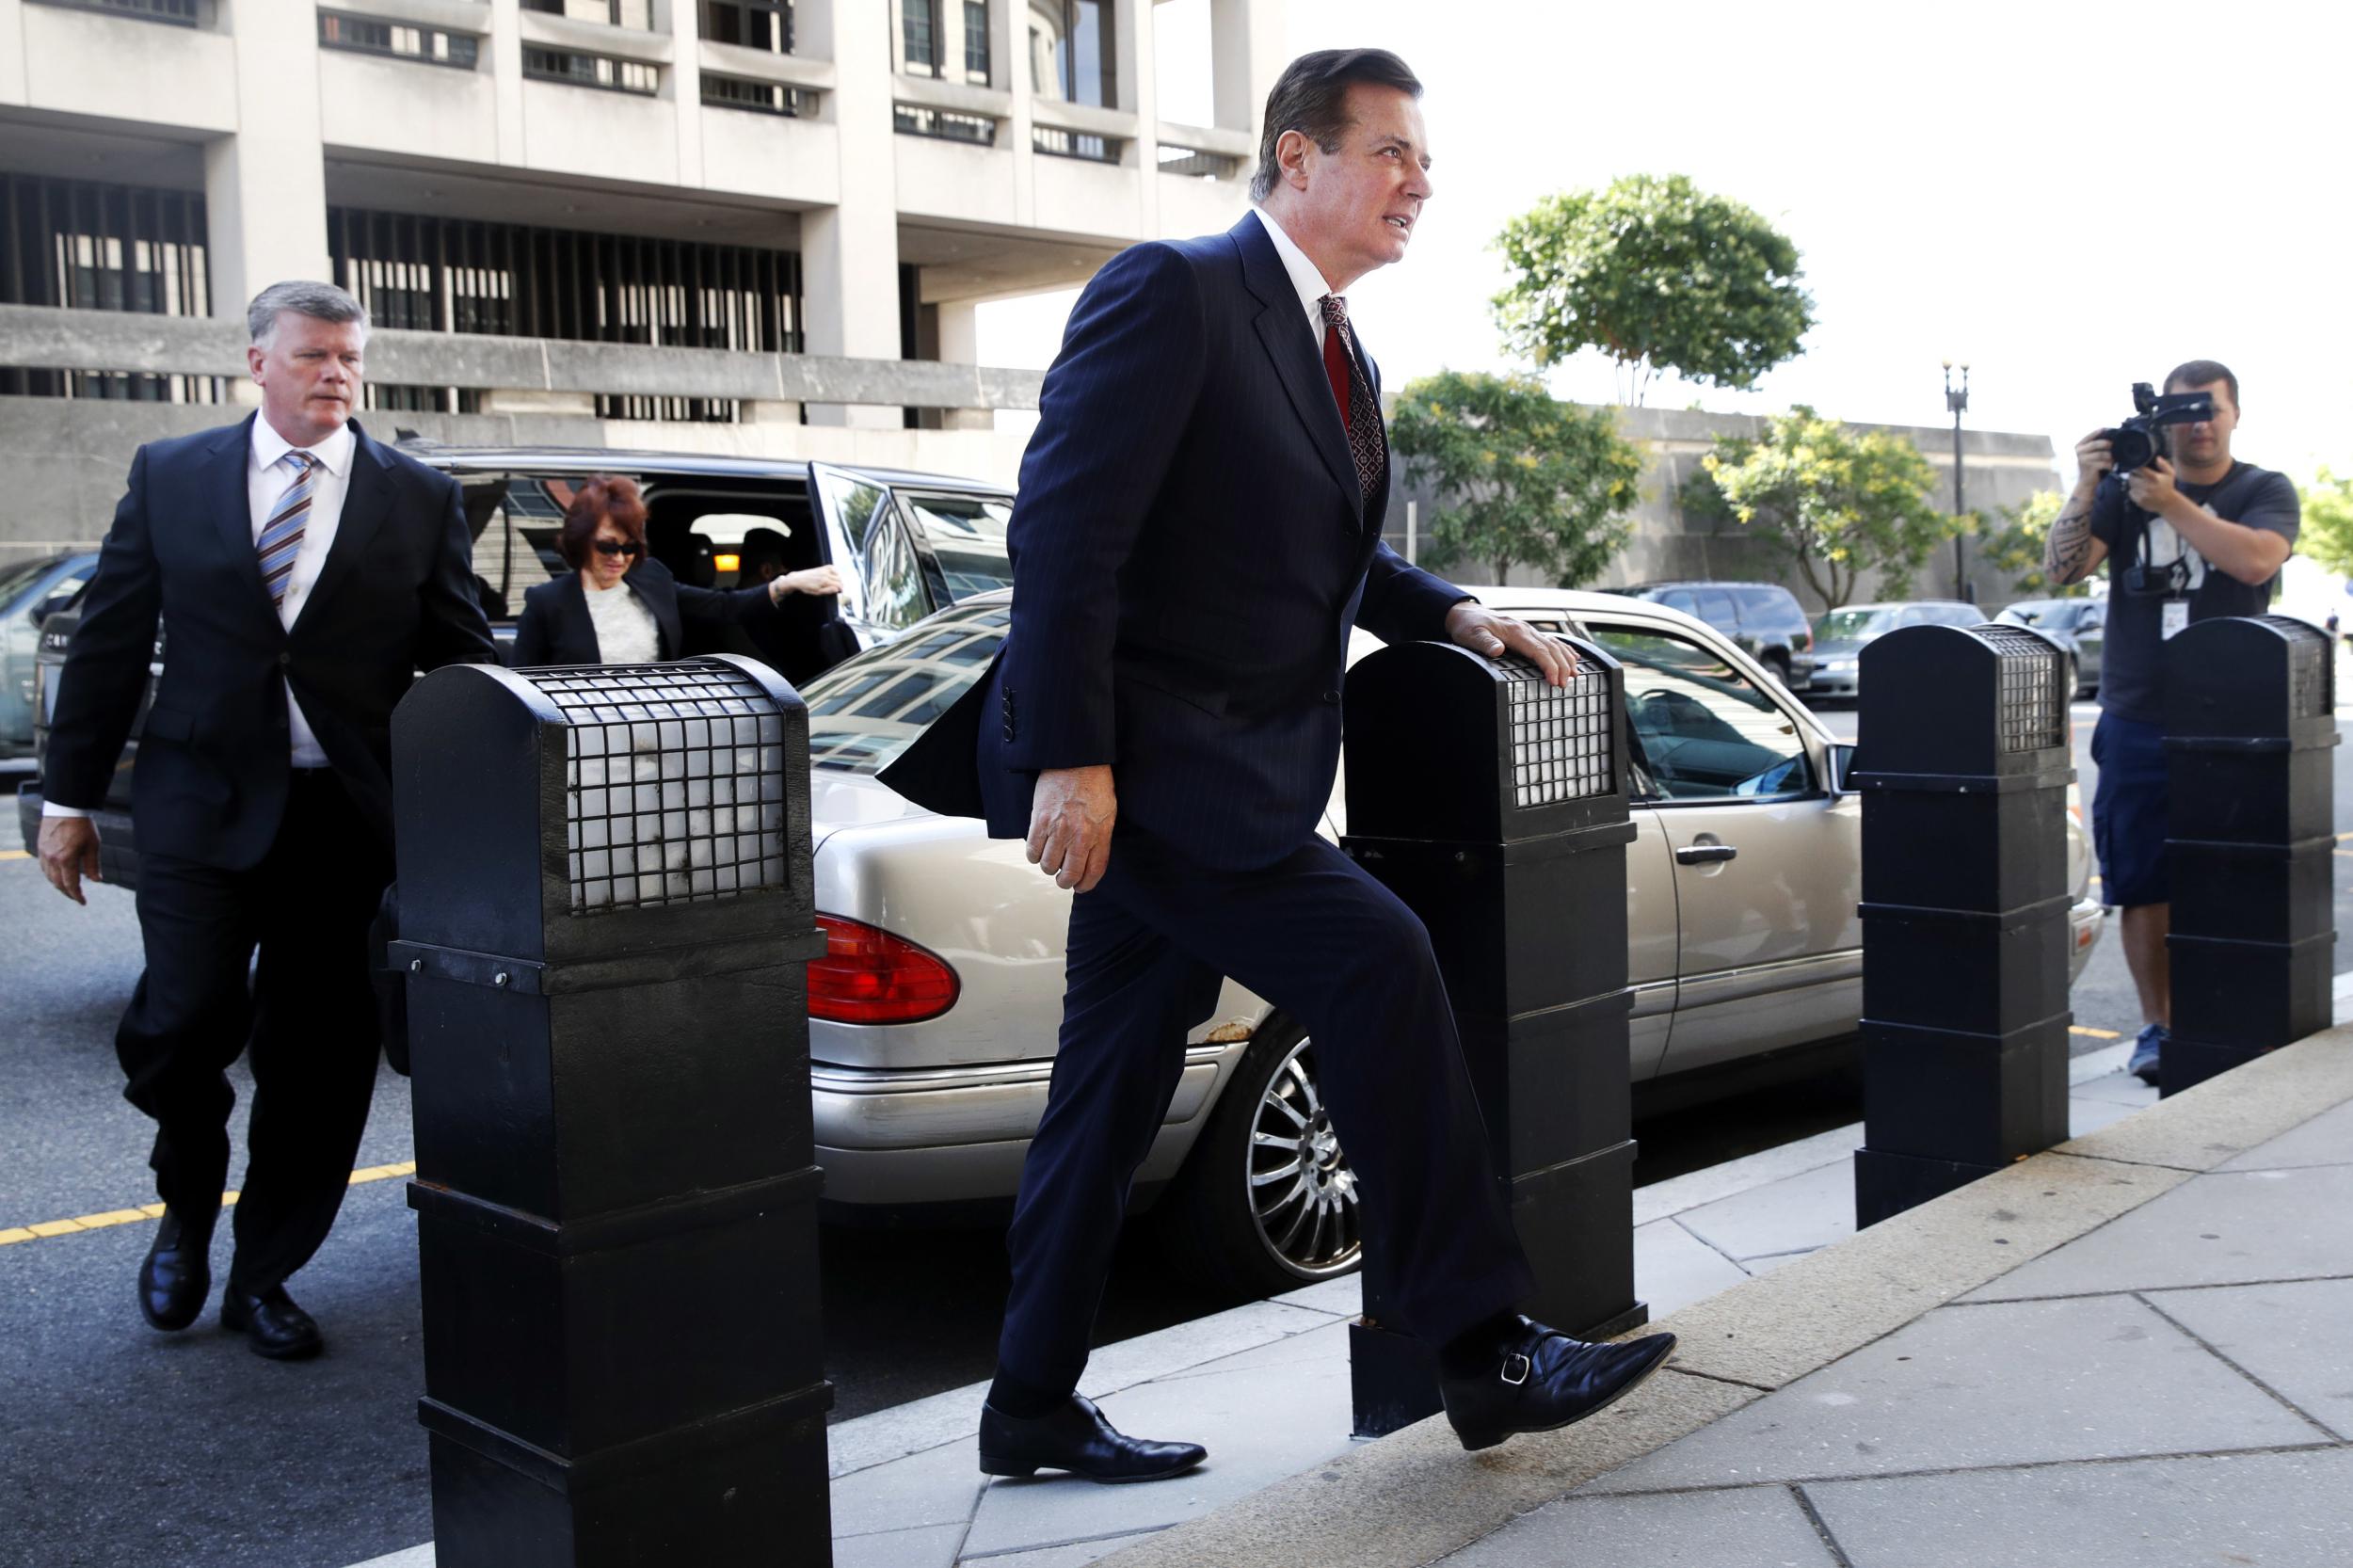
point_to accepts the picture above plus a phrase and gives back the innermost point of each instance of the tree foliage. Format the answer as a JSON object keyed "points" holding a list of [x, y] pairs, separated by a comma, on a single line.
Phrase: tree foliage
{"points": [[1522, 478], [2017, 547], [1659, 275], [1835, 501], [2326, 535]]}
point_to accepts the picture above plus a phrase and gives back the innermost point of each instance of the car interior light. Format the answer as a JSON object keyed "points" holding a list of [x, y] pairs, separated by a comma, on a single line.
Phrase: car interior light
{"points": [[867, 976], [727, 562]]}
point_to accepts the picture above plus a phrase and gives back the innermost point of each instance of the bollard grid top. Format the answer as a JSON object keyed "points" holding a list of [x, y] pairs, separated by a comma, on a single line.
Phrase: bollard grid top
{"points": [[1943, 704], [2033, 710], [2312, 674], [673, 783], [1560, 736]]}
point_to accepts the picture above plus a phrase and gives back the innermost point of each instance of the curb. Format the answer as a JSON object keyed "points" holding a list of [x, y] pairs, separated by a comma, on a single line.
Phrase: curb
{"points": [[1414, 1498]]}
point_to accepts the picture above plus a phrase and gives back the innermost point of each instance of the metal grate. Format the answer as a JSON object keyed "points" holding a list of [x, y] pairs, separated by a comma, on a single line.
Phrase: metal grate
{"points": [[2312, 674], [1560, 736], [2033, 710], [673, 783]]}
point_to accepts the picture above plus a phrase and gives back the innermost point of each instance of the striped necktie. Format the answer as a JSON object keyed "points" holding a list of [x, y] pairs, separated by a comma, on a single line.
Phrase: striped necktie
{"points": [[1359, 414], [281, 537]]}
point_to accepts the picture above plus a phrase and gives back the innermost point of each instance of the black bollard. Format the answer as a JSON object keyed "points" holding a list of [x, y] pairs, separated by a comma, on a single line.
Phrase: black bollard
{"points": [[605, 917], [1495, 805], [1963, 766], [2250, 725]]}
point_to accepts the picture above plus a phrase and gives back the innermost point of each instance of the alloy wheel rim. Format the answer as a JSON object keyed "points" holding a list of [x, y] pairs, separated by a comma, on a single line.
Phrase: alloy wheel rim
{"points": [[1303, 1194]]}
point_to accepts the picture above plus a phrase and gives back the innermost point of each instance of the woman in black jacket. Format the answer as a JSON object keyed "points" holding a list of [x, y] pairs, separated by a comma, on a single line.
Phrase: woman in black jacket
{"points": [[618, 607]]}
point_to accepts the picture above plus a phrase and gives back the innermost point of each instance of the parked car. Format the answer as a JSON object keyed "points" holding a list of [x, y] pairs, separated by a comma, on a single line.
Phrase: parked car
{"points": [[908, 544], [30, 592], [1763, 619], [2078, 624], [1840, 634], [932, 1026]]}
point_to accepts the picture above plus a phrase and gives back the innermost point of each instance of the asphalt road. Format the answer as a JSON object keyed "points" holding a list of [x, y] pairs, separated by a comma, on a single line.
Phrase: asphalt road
{"points": [[122, 1445]]}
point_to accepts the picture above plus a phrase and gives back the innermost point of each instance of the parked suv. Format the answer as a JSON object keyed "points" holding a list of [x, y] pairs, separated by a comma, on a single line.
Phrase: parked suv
{"points": [[1763, 618], [30, 592], [906, 544]]}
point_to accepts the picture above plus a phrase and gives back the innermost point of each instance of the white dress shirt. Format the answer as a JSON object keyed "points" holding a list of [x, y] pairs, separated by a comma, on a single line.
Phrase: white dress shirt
{"points": [[1305, 275], [626, 632], [267, 480]]}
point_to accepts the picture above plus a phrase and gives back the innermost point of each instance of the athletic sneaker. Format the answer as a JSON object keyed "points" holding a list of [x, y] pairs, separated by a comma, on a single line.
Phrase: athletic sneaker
{"points": [[2145, 1046]]}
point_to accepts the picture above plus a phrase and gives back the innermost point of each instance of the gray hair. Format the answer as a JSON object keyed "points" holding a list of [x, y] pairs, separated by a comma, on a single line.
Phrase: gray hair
{"points": [[320, 301]]}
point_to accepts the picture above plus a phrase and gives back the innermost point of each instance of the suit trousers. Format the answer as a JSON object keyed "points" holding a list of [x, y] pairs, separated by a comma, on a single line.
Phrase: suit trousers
{"points": [[306, 1012], [1336, 952]]}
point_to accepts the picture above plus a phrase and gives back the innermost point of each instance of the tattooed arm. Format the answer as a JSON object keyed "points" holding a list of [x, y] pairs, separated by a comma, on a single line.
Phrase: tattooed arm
{"points": [[2072, 552]]}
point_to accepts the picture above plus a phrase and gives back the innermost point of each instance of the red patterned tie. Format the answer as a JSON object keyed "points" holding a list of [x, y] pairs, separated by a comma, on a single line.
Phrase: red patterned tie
{"points": [[1359, 415]]}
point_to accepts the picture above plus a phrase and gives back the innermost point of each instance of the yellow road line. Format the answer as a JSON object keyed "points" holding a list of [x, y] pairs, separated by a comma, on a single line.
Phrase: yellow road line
{"points": [[11, 1235], [14, 855], [2095, 1033]]}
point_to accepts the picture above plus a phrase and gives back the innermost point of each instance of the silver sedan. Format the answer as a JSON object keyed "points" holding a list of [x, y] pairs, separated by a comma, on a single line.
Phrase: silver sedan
{"points": [[935, 1015]]}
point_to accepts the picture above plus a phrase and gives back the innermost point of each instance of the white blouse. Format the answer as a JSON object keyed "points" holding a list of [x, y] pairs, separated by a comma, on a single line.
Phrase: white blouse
{"points": [[626, 633]]}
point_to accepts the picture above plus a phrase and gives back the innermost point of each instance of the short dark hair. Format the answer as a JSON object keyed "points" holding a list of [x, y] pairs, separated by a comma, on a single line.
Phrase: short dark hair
{"points": [[608, 497], [2203, 373], [1311, 97]]}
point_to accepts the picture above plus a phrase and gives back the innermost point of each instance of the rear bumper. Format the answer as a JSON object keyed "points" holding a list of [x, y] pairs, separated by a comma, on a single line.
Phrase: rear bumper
{"points": [[1824, 683], [2085, 922], [913, 1136]]}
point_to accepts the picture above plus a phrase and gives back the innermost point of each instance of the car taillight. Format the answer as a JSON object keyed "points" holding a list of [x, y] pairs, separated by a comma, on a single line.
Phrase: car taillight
{"points": [[867, 976], [1805, 640]]}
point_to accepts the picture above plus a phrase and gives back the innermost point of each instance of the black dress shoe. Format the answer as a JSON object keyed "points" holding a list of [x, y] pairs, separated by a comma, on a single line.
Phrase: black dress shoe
{"points": [[1540, 1379], [271, 1323], [176, 1276], [1077, 1438]]}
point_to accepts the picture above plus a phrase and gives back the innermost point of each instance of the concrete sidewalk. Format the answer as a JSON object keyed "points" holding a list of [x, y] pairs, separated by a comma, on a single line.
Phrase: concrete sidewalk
{"points": [[1266, 1387]]}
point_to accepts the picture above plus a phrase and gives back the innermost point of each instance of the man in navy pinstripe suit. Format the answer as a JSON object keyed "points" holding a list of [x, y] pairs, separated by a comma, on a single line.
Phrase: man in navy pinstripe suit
{"points": [[1198, 528]]}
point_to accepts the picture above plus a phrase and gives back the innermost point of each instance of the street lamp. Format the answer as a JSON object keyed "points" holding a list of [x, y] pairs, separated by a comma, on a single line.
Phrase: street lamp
{"points": [[1957, 400]]}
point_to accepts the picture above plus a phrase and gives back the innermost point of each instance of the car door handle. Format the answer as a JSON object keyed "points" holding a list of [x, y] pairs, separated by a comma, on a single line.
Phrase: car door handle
{"points": [[1701, 854]]}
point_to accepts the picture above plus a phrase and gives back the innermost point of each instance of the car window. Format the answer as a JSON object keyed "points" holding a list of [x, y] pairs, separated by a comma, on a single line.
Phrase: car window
{"points": [[967, 537], [1716, 609], [1707, 731], [16, 580], [1676, 599], [892, 577], [866, 709], [1842, 626]]}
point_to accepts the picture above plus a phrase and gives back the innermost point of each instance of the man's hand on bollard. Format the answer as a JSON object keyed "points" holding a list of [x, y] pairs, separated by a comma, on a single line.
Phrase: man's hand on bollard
{"points": [[1480, 630], [1070, 826], [69, 852]]}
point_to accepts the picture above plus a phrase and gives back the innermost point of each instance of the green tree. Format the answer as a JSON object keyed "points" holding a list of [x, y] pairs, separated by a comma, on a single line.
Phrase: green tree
{"points": [[2326, 535], [1522, 478], [2016, 547], [1835, 501], [1659, 275]]}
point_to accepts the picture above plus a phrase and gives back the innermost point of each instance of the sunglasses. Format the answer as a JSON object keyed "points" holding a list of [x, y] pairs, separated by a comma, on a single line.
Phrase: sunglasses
{"points": [[620, 546]]}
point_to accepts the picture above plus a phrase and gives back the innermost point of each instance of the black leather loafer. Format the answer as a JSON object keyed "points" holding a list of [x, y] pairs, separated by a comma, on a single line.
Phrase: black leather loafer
{"points": [[271, 1323], [176, 1277], [1077, 1438], [1542, 1378]]}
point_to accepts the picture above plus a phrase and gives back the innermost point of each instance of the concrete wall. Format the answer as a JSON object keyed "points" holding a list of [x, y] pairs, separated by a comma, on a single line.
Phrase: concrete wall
{"points": [[1999, 469]]}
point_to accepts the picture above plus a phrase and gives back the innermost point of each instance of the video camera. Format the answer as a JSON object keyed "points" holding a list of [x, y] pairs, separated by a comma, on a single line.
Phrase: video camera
{"points": [[2134, 443]]}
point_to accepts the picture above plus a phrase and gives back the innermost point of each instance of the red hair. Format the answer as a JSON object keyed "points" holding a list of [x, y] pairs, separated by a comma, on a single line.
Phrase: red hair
{"points": [[607, 498]]}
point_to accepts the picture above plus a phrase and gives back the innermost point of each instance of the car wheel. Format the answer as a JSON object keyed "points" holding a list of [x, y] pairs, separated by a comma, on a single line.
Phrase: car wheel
{"points": [[1267, 1202], [2075, 686], [1777, 665]]}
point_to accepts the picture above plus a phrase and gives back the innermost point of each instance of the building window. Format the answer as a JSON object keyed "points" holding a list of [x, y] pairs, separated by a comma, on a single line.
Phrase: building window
{"points": [[913, 120], [73, 245], [1072, 53], [1192, 164], [590, 70], [453, 275], [741, 93], [976, 43], [1053, 139], [366, 35], [762, 24], [613, 14], [180, 14], [918, 37]]}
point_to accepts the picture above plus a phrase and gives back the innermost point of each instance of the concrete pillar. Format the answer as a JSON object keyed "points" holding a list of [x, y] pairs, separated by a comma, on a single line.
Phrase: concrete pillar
{"points": [[266, 187], [1247, 52], [1140, 94], [684, 81], [850, 253], [503, 56], [960, 345], [1011, 20]]}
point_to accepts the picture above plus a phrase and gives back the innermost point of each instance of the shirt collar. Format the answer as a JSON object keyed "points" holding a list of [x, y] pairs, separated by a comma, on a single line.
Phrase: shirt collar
{"points": [[334, 452], [1305, 275]]}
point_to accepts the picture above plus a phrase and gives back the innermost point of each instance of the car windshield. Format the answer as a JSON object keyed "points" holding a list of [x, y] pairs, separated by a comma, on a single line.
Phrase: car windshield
{"points": [[966, 534], [15, 580], [866, 709], [2035, 612], [1847, 626]]}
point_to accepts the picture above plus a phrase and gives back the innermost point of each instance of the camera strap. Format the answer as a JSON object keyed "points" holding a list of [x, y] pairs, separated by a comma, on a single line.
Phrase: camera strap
{"points": [[2177, 571]]}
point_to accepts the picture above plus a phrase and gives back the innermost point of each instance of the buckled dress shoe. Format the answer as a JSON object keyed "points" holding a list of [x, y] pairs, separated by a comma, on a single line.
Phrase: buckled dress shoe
{"points": [[176, 1276], [272, 1325], [1540, 1380], [1078, 1439]]}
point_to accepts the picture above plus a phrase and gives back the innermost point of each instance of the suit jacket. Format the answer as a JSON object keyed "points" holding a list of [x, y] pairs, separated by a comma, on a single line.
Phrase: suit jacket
{"points": [[1189, 547], [394, 594], [555, 628]]}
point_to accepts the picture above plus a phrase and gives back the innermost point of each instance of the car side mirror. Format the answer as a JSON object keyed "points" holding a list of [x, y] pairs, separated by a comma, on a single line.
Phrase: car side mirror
{"points": [[50, 606], [1841, 765]]}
